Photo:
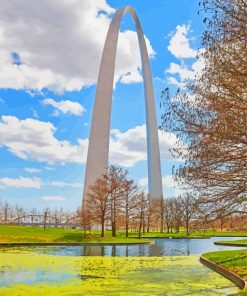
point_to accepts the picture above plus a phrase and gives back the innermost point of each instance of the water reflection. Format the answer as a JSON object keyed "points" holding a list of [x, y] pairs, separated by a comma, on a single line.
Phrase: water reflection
{"points": [[9, 277], [162, 247]]}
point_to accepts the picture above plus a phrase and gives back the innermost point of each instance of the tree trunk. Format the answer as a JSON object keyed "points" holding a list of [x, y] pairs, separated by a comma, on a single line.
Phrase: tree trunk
{"points": [[143, 223], [187, 227], [149, 216], [162, 225], [161, 215], [221, 223], [45, 221], [127, 219], [113, 217], [168, 229], [127, 229], [102, 227], [140, 226]]}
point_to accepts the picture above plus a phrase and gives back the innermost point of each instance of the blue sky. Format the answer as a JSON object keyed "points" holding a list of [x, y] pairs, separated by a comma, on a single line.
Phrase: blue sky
{"points": [[49, 60]]}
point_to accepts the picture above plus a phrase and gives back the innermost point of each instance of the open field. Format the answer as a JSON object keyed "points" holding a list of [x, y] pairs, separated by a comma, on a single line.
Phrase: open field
{"points": [[239, 242], [28, 234], [196, 234], [27, 273], [235, 261]]}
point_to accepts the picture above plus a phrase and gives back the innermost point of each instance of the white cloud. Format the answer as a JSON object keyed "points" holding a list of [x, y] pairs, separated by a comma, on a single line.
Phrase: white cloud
{"points": [[64, 184], [23, 182], [199, 64], [32, 170], [127, 148], [49, 168], [167, 182], [174, 81], [185, 72], [35, 140], [181, 70], [179, 45], [64, 47], [65, 107], [20, 182], [131, 77], [52, 198]]}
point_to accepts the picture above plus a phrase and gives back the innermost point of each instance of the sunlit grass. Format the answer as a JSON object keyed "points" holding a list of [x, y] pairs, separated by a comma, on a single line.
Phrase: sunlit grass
{"points": [[235, 261], [234, 242], [26, 234]]}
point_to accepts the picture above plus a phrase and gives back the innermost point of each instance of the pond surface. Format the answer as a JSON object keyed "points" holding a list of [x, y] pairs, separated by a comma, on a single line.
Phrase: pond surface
{"points": [[168, 267], [162, 247], [28, 273]]}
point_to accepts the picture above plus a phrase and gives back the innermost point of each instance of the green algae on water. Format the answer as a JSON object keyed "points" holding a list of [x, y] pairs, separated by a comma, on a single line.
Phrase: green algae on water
{"points": [[178, 275]]}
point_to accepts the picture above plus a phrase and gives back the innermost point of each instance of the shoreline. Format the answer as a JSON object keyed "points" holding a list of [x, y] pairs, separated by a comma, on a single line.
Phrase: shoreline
{"points": [[73, 244]]}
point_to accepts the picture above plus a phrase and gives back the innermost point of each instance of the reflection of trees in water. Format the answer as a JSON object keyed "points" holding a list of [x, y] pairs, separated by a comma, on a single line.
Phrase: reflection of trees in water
{"points": [[187, 247], [108, 251], [157, 249], [127, 251], [162, 247], [93, 251], [113, 251]]}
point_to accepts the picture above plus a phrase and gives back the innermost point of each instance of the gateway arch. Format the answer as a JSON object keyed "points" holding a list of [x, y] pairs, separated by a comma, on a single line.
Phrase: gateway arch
{"points": [[98, 149]]}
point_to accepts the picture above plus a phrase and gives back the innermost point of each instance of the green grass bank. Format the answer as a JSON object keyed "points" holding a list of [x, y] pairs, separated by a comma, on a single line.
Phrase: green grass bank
{"points": [[239, 242], [234, 261], [26, 234]]}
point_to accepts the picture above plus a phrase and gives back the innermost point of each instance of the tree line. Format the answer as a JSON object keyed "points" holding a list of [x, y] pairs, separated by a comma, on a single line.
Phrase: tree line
{"points": [[115, 202], [17, 214]]}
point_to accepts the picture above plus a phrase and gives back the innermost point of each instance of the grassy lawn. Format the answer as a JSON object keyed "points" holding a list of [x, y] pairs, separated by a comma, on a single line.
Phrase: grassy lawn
{"points": [[229, 233], [181, 234], [193, 234], [240, 242], [235, 261], [26, 234], [29, 273]]}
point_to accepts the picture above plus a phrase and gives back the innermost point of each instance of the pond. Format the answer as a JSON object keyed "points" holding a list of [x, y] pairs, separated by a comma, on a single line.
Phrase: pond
{"points": [[168, 267], [29, 273], [162, 247]]}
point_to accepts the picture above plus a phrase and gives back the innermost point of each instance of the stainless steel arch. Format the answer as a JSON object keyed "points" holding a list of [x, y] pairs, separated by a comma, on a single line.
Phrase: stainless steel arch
{"points": [[98, 150]]}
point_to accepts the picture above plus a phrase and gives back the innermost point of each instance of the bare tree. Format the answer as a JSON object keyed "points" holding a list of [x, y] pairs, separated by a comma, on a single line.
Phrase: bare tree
{"points": [[46, 213], [140, 205], [129, 195], [6, 209], [20, 212], [212, 127], [188, 207], [98, 201], [116, 177]]}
